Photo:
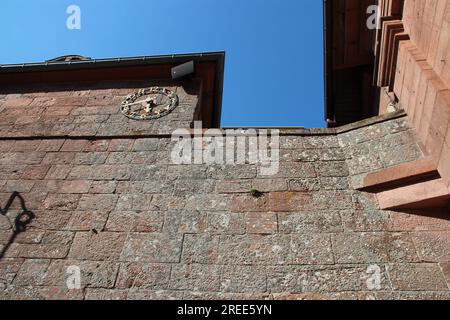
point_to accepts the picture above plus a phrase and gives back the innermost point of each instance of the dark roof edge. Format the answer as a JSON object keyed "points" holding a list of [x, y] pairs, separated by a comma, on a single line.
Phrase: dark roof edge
{"points": [[328, 61], [220, 75], [112, 62]]}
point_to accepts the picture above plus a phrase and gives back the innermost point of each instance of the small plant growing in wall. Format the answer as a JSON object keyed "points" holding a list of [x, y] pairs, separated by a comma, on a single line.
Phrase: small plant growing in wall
{"points": [[256, 193]]}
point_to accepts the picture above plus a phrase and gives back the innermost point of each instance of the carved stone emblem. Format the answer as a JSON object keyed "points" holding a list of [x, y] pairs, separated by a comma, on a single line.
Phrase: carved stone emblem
{"points": [[149, 104]]}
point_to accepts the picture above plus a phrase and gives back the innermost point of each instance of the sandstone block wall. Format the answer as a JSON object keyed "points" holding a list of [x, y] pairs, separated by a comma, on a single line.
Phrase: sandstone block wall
{"points": [[109, 200], [422, 77], [90, 110]]}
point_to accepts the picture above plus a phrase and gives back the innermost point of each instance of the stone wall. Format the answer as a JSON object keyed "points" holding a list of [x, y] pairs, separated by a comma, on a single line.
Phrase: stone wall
{"points": [[428, 25], [88, 109], [140, 227], [422, 76]]}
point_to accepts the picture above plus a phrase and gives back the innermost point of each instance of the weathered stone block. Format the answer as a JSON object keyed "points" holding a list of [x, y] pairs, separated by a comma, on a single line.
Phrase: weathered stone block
{"points": [[61, 202], [331, 200], [242, 279], [24, 158], [312, 249], [207, 202], [139, 275], [124, 158], [58, 172], [200, 249], [105, 202], [294, 170], [270, 185], [261, 223], [416, 277], [373, 248], [247, 203], [19, 185], [187, 187], [332, 154], [90, 158], [42, 293], [333, 169], [8, 271], [87, 221], [146, 144], [93, 274], [303, 155], [362, 135], [238, 186], [196, 277], [35, 172], [445, 266], [226, 223], [334, 183], [96, 145], [75, 186], [290, 201], [304, 185], [135, 221], [231, 172], [147, 172], [152, 247], [111, 172], [313, 142], [185, 221], [291, 142], [105, 294], [255, 250], [433, 246], [74, 145], [103, 187], [186, 172], [17, 102], [100, 246], [61, 158], [139, 202], [365, 220], [25, 146], [121, 145], [331, 279], [310, 222], [145, 294], [397, 125], [50, 219], [80, 173], [32, 272]]}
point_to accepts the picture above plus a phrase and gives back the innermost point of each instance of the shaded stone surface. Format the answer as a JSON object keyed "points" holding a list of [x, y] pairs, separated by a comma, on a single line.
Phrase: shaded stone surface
{"points": [[140, 227]]}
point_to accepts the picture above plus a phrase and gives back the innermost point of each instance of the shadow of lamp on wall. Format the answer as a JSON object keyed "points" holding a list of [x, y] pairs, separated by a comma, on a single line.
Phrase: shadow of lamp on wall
{"points": [[18, 223]]}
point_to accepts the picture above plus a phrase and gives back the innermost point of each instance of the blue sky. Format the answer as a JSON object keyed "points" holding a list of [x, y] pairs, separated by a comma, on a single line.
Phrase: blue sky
{"points": [[274, 62]]}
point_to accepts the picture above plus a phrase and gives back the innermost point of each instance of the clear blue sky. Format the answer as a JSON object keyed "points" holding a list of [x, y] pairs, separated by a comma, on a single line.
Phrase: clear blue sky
{"points": [[274, 62]]}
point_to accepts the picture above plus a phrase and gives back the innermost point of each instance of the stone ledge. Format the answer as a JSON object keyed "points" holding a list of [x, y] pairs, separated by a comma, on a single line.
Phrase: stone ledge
{"points": [[430, 194], [142, 133], [400, 175], [371, 121]]}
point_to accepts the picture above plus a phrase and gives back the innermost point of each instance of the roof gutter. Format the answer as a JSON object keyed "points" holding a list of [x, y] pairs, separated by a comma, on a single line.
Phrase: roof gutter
{"points": [[114, 62]]}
